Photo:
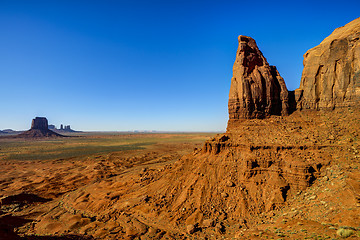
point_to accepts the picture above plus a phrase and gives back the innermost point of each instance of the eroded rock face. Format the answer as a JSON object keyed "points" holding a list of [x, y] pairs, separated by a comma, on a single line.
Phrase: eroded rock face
{"points": [[39, 123], [257, 89], [331, 75]]}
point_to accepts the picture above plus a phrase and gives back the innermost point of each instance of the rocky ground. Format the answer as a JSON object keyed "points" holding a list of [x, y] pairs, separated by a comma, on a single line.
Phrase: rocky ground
{"points": [[294, 177], [30, 188]]}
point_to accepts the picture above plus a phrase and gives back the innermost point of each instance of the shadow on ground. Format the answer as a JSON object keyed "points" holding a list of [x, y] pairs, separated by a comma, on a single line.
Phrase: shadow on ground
{"points": [[8, 223], [23, 198]]}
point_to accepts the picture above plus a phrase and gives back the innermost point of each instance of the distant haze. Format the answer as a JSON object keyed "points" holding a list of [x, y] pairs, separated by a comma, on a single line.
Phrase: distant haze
{"points": [[152, 65]]}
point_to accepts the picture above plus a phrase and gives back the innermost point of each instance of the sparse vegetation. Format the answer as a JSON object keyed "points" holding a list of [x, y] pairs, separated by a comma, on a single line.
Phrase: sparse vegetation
{"points": [[344, 233], [65, 148]]}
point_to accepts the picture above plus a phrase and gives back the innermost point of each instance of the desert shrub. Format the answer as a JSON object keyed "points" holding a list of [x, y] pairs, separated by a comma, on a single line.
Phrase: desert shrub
{"points": [[344, 233]]}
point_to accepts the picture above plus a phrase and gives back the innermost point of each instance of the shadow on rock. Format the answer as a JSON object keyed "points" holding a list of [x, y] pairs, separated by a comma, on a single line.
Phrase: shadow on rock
{"points": [[7, 225], [27, 198]]}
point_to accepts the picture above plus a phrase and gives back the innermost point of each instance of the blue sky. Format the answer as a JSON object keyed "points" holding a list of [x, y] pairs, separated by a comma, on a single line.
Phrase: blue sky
{"points": [[145, 65]]}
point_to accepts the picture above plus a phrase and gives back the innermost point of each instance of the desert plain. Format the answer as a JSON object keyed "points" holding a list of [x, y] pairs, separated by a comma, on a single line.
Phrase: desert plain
{"points": [[36, 172]]}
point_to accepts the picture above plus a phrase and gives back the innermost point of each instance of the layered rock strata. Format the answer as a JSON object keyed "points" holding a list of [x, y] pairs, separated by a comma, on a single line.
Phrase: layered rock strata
{"points": [[257, 89], [331, 75]]}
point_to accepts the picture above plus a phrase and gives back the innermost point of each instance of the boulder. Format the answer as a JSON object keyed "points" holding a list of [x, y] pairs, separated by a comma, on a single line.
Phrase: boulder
{"points": [[257, 89], [190, 229], [331, 75]]}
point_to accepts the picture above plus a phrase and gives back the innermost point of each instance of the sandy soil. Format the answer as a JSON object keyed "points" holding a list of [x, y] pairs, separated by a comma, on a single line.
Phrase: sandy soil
{"points": [[29, 187]]}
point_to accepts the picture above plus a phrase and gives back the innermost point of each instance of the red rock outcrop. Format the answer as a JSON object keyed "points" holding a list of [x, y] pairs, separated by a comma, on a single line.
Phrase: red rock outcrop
{"points": [[331, 75], [257, 89]]}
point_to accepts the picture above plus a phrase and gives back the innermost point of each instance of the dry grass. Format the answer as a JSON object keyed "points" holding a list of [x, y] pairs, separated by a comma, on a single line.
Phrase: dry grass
{"points": [[63, 148]]}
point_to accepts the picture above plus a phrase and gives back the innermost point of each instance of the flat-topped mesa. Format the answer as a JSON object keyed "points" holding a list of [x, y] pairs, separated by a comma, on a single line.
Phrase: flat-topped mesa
{"points": [[39, 129], [257, 89], [331, 75], [39, 123]]}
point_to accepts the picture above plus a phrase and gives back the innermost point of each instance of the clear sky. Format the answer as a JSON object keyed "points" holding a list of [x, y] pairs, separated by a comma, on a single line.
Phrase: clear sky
{"points": [[145, 65]]}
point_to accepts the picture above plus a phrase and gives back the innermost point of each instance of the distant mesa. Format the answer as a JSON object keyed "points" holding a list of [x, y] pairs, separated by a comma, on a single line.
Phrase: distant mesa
{"points": [[9, 132], [66, 128], [62, 129], [39, 123], [39, 129]]}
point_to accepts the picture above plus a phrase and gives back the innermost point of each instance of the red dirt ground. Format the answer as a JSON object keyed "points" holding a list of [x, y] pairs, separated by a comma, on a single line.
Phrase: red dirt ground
{"points": [[294, 177]]}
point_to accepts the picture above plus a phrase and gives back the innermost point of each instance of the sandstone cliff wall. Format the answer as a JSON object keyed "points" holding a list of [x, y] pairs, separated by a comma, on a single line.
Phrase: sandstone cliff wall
{"points": [[331, 75]]}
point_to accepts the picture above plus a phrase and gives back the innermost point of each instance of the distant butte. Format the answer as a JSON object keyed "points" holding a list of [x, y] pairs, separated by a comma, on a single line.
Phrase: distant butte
{"points": [[39, 129]]}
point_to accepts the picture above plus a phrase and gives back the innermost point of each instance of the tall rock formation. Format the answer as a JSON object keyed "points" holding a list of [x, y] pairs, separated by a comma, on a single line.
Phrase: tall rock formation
{"points": [[39, 123], [39, 129], [257, 89], [331, 75]]}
